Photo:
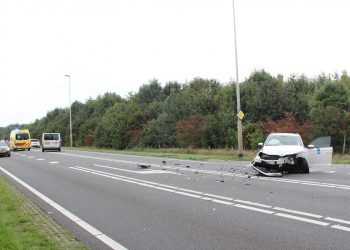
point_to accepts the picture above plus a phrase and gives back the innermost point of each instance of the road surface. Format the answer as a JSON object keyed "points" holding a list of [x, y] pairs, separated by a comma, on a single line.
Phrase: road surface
{"points": [[110, 201]]}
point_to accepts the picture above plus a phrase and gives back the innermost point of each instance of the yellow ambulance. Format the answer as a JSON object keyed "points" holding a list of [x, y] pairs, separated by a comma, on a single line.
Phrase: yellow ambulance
{"points": [[20, 139]]}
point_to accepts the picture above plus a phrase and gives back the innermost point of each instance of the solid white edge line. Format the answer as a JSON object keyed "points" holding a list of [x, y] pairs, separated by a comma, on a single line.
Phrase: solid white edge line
{"points": [[298, 212], [341, 228], [320, 223], [337, 220], [90, 229]]}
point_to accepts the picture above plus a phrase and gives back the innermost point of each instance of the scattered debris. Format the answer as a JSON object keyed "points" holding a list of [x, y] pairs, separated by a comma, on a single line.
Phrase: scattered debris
{"points": [[164, 162], [143, 165], [249, 176], [196, 172], [221, 180], [188, 166]]}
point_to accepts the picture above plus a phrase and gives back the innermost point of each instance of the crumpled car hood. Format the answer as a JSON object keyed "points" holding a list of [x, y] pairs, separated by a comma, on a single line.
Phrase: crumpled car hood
{"points": [[282, 150]]}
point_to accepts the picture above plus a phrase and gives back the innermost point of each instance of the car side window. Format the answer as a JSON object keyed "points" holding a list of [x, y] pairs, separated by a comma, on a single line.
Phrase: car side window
{"points": [[322, 142]]}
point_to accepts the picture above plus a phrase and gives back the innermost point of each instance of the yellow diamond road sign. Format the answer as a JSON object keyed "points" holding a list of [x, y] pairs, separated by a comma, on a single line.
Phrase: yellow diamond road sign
{"points": [[240, 115]]}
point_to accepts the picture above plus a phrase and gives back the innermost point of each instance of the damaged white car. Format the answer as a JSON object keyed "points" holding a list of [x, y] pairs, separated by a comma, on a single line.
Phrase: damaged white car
{"points": [[284, 153]]}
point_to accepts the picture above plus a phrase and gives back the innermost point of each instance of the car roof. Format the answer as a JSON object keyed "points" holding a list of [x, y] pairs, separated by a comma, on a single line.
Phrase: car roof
{"points": [[290, 134]]}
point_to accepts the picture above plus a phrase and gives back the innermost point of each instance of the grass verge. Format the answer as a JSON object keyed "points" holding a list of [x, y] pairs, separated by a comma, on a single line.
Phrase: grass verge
{"points": [[196, 154], [25, 226]]}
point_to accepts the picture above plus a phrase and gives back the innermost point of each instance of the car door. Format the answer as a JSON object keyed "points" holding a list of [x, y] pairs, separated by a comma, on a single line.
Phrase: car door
{"points": [[321, 154]]}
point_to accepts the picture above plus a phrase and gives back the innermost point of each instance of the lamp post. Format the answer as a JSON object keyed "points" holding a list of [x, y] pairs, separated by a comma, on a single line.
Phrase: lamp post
{"points": [[239, 121], [70, 114]]}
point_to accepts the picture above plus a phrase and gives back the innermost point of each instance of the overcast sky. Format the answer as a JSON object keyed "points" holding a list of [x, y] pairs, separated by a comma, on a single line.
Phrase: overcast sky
{"points": [[118, 45]]}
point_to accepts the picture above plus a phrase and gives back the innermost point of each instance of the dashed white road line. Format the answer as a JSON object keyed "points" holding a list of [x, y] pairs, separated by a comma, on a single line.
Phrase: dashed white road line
{"points": [[321, 223], [53, 162], [298, 212], [341, 228], [40, 159], [30, 157], [95, 232], [337, 220], [257, 207]]}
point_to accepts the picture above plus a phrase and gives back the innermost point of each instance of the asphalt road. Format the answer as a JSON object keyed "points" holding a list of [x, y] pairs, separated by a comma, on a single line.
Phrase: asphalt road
{"points": [[180, 204]]}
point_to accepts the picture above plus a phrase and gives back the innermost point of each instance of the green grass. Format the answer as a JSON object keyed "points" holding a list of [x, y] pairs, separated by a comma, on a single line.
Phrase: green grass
{"points": [[196, 154], [24, 226]]}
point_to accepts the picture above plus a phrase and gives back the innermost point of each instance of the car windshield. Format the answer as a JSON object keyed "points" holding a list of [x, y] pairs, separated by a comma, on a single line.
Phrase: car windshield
{"points": [[34, 140], [283, 140], [49, 137], [3, 143], [23, 136]]}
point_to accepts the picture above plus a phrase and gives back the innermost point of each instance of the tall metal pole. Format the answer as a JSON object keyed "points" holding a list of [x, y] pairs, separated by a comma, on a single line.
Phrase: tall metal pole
{"points": [[239, 121], [70, 114]]}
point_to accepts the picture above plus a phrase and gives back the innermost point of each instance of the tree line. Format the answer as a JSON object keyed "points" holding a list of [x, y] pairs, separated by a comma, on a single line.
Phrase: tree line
{"points": [[201, 113]]}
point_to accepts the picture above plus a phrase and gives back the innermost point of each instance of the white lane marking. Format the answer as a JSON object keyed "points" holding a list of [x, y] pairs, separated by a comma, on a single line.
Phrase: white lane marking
{"points": [[337, 220], [30, 157], [136, 172], [53, 162], [254, 209], [341, 228], [105, 239], [297, 212], [222, 202], [218, 196], [188, 194], [328, 172], [311, 183], [40, 159], [253, 203], [203, 197], [23, 155], [321, 223]]}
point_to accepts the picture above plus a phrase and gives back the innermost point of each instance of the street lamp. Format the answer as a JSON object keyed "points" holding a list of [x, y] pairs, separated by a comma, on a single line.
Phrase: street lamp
{"points": [[70, 114], [239, 121]]}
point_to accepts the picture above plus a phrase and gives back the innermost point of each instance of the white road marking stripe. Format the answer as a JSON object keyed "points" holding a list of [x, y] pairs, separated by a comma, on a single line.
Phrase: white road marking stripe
{"points": [[319, 185], [30, 157], [165, 189], [53, 162], [40, 159], [253, 203], [302, 219], [206, 198], [329, 172], [218, 196], [189, 190], [297, 212], [23, 155], [341, 228], [222, 202], [254, 209], [188, 194], [337, 220], [105, 239]]}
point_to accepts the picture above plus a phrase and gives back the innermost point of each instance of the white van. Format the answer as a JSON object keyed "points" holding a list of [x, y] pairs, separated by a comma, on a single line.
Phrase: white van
{"points": [[51, 141]]}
